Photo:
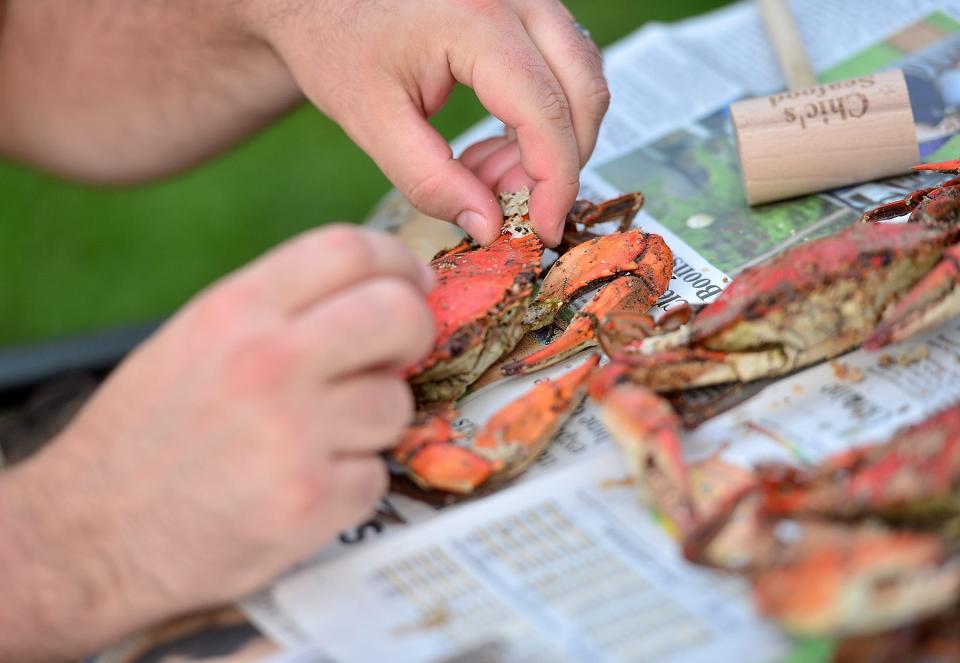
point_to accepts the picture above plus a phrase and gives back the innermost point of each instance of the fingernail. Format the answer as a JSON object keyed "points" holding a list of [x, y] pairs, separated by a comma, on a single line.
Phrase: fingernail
{"points": [[474, 224], [427, 278]]}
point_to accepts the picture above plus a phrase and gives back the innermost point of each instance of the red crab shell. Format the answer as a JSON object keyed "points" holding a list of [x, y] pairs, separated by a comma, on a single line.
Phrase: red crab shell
{"points": [[478, 305], [852, 254]]}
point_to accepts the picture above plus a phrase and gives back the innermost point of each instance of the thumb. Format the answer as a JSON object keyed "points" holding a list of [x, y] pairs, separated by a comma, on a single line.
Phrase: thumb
{"points": [[419, 162]]}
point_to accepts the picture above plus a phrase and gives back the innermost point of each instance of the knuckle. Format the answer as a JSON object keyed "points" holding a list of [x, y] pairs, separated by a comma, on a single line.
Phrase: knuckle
{"points": [[554, 105], [426, 190], [483, 7], [309, 492], [348, 243], [372, 483], [599, 95], [262, 361], [219, 309]]}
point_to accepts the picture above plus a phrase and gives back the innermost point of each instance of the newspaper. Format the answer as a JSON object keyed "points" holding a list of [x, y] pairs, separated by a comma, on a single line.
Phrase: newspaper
{"points": [[564, 564]]}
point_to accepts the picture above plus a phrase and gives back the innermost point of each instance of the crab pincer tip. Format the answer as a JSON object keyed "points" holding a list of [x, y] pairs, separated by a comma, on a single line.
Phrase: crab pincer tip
{"points": [[940, 167]]}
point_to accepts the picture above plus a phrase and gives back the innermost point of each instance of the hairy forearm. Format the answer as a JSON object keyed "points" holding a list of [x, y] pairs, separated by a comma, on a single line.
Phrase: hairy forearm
{"points": [[68, 586], [127, 90], [45, 614]]}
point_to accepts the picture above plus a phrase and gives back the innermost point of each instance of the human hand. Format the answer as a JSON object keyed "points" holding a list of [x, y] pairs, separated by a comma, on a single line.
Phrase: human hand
{"points": [[381, 68], [238, 440]]}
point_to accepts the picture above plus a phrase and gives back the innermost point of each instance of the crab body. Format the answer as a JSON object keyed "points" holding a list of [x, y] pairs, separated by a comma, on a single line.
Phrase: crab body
{"points": [[812, 302], [478, 305]]}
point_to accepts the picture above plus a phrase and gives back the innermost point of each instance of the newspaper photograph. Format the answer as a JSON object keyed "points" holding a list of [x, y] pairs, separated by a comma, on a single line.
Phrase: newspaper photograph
{"points": [[563, 562]]}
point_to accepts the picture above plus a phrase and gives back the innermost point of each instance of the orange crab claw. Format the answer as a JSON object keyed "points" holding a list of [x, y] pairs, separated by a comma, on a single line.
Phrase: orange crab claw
{"points": [[845, 580], [932, 301], [519, 432], [646, 428], [627, 293], [436, 457], [596, 261], [431, 457], [940, 167]]}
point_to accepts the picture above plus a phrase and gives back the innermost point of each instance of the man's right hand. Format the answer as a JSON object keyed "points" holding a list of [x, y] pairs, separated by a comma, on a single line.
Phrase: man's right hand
{"points": [[235, 442]]}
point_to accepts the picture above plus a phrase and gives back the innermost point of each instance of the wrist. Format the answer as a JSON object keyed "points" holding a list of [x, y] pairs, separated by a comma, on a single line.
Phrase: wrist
{"points": [[64, 594]]}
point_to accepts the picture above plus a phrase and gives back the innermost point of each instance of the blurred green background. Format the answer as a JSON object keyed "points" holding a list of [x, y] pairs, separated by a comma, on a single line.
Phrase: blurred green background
{"points": [[75, 259]]}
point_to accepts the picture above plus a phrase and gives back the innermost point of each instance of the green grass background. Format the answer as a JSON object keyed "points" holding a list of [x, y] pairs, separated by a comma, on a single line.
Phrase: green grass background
{"points": [[75, 259]]}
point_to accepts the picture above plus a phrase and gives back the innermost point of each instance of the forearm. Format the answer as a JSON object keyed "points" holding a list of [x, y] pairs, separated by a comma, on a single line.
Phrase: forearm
{"points": [[62, 593], [126, 90]]}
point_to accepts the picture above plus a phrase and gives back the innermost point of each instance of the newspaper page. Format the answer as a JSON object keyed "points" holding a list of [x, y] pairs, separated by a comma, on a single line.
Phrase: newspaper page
{"points": [[444, 581], [561, 568]]}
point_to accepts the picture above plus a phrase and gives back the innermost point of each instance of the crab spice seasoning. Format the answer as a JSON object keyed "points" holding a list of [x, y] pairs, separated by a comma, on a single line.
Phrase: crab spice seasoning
{"points": [[826, 136]]}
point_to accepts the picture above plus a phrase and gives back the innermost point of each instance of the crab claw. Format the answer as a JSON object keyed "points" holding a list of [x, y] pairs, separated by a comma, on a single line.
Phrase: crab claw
{"points": [[933, 300], [601, 259], [940, 167], [519, 432], [430, 455], [436, 457], [838, 579], [646, 428], [627, 293]]}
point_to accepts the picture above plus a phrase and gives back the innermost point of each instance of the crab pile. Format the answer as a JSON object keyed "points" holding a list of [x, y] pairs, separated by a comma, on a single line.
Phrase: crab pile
{"points": [[867, 541], [484, 302]]}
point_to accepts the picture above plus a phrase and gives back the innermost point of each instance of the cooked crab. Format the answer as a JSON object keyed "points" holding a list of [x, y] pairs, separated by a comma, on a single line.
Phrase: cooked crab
{"points": [[869, 284], [484, 302]]}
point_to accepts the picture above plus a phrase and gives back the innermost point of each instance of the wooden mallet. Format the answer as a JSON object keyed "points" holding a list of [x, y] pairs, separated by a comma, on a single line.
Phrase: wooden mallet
{"points": [[819, 136]]}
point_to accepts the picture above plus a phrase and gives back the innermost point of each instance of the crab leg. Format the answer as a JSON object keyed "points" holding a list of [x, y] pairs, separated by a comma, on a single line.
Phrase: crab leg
{"points": [[688, 368], [934, 300], [646, 428], [436, 457], [627, 293], [587, 214], [518, 433]]}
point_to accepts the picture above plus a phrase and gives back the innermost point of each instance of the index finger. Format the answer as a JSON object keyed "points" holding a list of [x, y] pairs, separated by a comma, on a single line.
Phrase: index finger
{"points": [[319, 263], [512, 80]]}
